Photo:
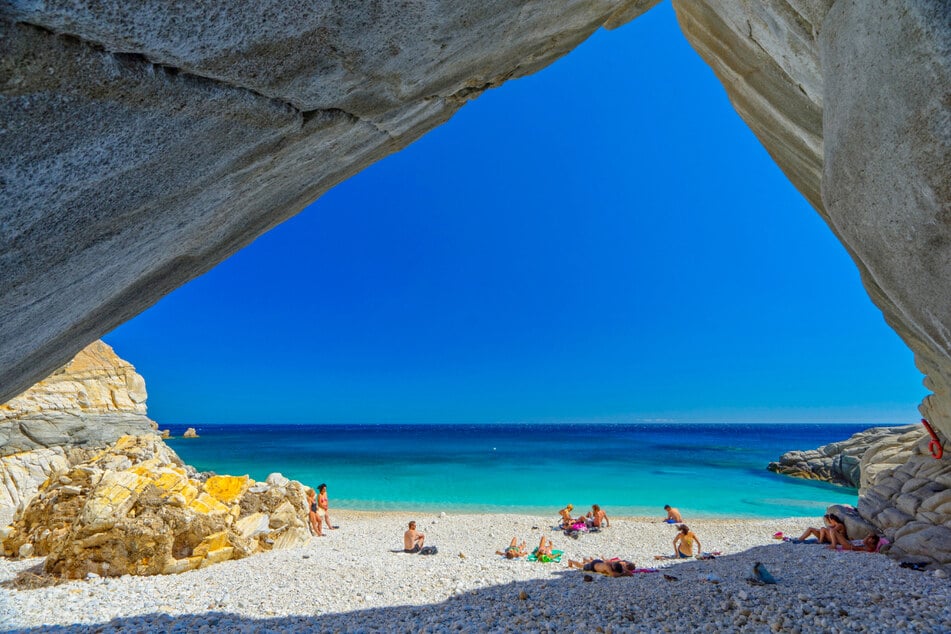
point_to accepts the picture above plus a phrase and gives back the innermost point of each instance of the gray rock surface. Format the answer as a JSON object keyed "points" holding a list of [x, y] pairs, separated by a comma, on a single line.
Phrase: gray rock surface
{"points": [[852, 101], [911, 505], [61, 421], [144, 143], [844, 462]]}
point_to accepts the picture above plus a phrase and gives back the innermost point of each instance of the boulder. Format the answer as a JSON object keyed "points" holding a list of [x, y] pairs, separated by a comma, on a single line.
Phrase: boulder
{"points": [[65, 419], [134, 509]]}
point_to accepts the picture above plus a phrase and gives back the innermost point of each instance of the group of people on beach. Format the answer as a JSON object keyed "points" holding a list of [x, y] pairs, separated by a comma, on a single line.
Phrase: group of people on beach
{"points": [[595, 519], [318, 510], [835, 534]]}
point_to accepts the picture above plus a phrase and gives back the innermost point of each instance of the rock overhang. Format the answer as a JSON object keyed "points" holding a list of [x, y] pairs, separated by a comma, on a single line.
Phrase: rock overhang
{"points": [[144, 145]]}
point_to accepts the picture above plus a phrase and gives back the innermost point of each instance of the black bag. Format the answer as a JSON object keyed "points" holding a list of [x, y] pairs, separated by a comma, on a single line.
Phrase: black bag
{"points": [[428, 550]]}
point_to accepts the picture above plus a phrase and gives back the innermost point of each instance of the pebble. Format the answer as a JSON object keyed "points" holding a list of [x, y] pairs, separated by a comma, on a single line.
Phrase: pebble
{"points": [[349, 581]]}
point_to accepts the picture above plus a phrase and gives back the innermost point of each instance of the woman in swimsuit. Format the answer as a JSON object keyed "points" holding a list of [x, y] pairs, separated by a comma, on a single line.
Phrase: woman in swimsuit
{"points": [[312, 513], [543, 552], [513, 551], [565, 513], [683, 543], [832, 533], [323, 507]]}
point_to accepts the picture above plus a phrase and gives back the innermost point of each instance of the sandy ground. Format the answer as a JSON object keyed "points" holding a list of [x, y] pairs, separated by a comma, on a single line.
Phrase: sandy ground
{"points": [[351, 581]]}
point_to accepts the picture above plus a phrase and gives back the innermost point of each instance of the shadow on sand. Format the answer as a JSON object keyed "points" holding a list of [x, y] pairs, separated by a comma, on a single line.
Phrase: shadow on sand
{"points": [[626, 603]]}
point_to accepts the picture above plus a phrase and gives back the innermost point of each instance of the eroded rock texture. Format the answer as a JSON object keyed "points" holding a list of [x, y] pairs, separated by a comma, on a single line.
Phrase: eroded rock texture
{"points": [[845, 462], [904, 492], [135, 508], [142, 143], [853, 101], [88, 403], [911, 505]]}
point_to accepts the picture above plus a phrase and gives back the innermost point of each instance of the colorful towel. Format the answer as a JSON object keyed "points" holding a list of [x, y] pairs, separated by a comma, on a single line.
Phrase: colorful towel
{"points": [[545, 559]]}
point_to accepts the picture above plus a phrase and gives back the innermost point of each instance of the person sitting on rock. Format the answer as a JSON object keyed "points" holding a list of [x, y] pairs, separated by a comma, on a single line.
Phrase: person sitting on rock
{"points": [[413, 539], [612, 568], [673, 515], [597, 518], [832, 533], [513, 551], [312, 516]]}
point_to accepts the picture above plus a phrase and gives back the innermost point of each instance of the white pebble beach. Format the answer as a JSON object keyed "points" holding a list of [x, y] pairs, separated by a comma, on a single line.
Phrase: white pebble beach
{"points": [[350, 581]]}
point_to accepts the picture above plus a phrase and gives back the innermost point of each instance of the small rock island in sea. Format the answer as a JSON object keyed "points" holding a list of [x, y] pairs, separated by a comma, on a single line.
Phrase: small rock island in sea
{"points": [[190, 433], [93, 488]]}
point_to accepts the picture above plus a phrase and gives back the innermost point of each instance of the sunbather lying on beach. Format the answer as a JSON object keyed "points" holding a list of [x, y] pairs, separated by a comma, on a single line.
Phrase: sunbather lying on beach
{"points": [[612, 568], [868, 545], [834, 529], [543, 553], [673, 515], [513, 551]]}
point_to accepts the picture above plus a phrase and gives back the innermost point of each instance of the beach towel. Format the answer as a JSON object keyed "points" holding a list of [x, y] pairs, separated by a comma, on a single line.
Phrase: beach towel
{"points": [[545, 559]]}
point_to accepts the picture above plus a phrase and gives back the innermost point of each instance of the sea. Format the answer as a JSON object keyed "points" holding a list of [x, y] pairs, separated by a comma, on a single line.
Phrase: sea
{"points": [[705, 470]]}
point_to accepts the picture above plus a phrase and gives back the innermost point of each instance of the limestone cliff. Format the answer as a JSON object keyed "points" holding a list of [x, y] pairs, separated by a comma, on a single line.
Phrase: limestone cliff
{"points": [[844, 462], [88, 403]]}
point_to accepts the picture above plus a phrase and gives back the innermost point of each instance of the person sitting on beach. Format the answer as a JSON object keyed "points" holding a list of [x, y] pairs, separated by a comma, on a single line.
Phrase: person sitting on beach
{"points": [[684, 541], [513, 551], [832, 533], [673, 515], [597, 517], [312, 515], [612, 568], [413, 539], [566, 519], [323, 506]]}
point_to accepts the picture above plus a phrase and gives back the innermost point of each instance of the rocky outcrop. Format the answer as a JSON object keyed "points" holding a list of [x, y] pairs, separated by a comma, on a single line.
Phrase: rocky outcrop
{"points": [[85, 405], [845, 463], [911, 505], [91, 401], [904, 493], [135, 508], [144, 144], [190, 433]]}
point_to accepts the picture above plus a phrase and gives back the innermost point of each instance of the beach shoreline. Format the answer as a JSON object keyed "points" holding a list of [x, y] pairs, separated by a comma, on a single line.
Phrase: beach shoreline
{"points": [[351, 580]]}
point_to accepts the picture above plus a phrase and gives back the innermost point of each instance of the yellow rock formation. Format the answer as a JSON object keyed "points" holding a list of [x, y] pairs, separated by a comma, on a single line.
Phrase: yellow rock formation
{"points": [[133, 509]]}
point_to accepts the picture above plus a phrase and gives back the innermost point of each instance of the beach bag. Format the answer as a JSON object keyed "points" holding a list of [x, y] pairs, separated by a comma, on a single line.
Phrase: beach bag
{"points": [[428, 550]]}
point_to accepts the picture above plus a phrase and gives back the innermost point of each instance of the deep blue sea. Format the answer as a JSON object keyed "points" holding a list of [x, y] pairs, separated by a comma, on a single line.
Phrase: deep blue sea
{"points": [[707, 470]]}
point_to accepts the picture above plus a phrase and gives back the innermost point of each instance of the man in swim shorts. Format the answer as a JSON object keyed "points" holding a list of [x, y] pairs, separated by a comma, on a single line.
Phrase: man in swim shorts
{"points": [[673, 515], [413, 539]]}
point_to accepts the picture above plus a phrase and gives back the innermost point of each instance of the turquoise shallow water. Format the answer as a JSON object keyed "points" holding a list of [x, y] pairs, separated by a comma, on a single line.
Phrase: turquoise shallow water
{"points": [[705, 470]]}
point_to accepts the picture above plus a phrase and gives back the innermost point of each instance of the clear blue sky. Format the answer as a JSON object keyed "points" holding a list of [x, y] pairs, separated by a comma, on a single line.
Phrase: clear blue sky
{"points": [[602, 241]]}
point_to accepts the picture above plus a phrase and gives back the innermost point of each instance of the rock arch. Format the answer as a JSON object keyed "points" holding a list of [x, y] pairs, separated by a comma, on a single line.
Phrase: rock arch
{"points": [[140, 147]]}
